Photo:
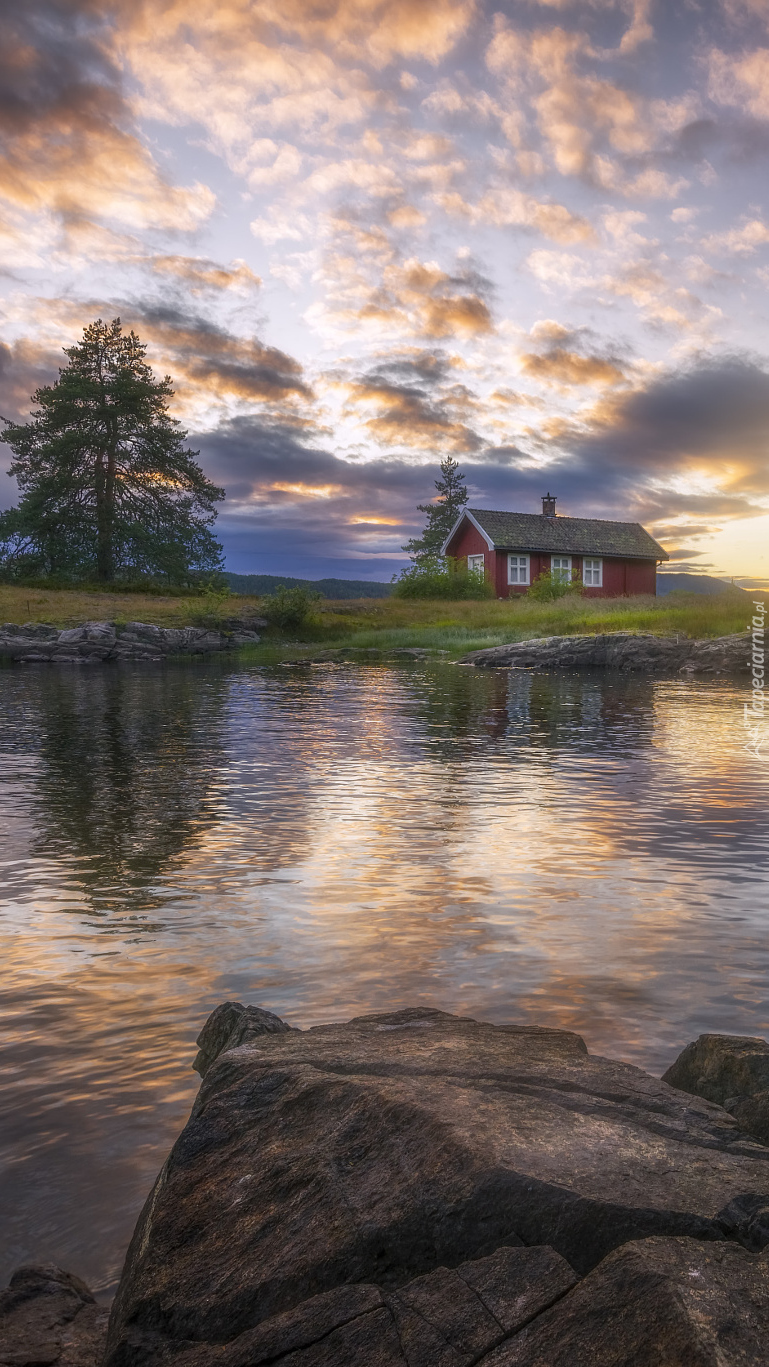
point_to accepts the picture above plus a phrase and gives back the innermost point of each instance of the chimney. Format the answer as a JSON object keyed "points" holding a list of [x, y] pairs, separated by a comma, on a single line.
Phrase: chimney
{"points": [[548, 506]]}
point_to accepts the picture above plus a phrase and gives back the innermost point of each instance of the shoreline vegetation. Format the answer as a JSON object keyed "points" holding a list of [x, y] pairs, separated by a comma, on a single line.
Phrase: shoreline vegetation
{"points": [[387, 624]]}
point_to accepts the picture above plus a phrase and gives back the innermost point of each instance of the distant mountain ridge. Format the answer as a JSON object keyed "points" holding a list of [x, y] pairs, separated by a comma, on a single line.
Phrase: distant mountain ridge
{"points": [[696, 583], [258, 584]]}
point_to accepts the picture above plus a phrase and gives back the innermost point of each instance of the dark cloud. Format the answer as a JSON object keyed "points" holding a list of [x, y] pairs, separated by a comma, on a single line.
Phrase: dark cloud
{"points": [[412, 401], [626, 458], [207, 356], [68, 141], [24, 367], [737, 140], [54, 67], [708, 413], [289, 503], [200, 274]]}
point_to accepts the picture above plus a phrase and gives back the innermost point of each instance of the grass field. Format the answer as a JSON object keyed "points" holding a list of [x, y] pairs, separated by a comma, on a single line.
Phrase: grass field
{"points": [[388, 623]]}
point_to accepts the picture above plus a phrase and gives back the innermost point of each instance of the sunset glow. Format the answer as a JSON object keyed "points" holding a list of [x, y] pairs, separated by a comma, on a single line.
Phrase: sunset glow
{"points": [[362, 235]]}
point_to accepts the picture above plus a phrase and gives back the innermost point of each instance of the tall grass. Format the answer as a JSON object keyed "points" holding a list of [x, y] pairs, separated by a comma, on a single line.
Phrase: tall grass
{"points": [[391, 623]]}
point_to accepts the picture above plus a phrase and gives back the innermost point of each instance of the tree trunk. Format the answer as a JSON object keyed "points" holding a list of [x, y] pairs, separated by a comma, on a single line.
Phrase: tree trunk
{"points": [[105, 506]]}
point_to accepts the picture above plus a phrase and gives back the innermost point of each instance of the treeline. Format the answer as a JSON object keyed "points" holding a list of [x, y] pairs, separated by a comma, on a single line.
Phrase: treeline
{"points": [[259, 584]]}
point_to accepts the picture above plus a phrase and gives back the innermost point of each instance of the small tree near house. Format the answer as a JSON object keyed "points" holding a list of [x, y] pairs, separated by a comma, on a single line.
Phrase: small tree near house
{"points": [[431, 574], [441, 514]]}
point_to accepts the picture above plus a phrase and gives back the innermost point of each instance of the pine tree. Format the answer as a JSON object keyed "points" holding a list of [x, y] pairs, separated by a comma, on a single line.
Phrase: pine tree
{"points": [[108, 488], [442, 515]]}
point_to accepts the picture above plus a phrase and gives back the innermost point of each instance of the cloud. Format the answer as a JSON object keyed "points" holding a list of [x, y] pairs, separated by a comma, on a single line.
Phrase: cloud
{"points": [[25, 366], [742, 241], [564, 358], [503, 206], [741, 81], [210, 363], [693, 440], [70, 145], [288, 493], [201, 274], [411, 402], [591, 127], [375, 288]]}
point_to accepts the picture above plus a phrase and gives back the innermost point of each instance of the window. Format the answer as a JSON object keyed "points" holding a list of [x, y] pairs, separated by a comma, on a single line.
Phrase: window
{"points": [[517, 569], [560, 568], [592, 573], [476, 564]]}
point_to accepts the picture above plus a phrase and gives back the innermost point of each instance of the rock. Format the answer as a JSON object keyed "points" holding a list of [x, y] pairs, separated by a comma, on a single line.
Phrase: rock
{"points": [[229, 1026], [448, 1318], [620, 650], [731, 1070], [248, 625], [417, 652], [96, 641], [93, 640], [383, 1149], [48, 1317], [655, 1303]]}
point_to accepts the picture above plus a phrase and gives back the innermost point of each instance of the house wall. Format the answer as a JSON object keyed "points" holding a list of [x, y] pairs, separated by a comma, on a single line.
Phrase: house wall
{"points": [[620, 577], [468, 541]]}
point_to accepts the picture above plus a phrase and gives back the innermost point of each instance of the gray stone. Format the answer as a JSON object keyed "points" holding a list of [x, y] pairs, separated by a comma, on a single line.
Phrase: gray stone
{"points": [[620, 650], [92, 639], [229, 1026], [380, 1150], [733, 1071], [96, 641], [49, 1317], [444, 1319], [655, 1303]]}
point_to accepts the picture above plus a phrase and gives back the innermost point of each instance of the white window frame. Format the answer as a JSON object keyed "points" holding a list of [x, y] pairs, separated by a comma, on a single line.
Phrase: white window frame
{"points": [[591, 565], [476, 564], [562, 570], [520, 570]]}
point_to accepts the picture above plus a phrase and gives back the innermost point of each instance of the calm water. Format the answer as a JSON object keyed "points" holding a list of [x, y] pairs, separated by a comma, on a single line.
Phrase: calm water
{"points": [[580, 851]]}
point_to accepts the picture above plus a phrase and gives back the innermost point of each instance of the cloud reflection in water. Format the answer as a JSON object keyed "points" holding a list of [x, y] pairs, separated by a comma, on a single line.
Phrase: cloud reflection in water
{"points": [[573, 850]]}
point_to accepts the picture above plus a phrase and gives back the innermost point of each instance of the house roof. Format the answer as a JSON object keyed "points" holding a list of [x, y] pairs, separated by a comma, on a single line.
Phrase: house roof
{"points": [[568, 535]]}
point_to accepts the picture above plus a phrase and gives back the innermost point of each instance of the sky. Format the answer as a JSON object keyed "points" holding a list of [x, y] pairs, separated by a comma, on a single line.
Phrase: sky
{"points": [[364, 234]]}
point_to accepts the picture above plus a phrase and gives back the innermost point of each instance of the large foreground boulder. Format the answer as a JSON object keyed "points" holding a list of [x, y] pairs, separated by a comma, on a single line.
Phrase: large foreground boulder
{"points": [[48, 1318], [733, 1071], [374, 1153], [655, 1303]]}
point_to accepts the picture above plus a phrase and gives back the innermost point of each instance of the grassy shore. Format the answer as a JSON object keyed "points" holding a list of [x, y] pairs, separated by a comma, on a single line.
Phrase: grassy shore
{"points": [[393, 623]]}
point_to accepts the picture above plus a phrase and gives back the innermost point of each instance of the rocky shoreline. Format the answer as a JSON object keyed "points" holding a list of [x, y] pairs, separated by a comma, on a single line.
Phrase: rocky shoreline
{"points": [[624, 651], [416, 1189], [100, 642]]}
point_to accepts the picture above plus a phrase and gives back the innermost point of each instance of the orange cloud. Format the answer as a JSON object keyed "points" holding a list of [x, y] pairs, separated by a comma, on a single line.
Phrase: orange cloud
{"points": [[307, 490], [199, 273], [564, 368], [70, 147]]}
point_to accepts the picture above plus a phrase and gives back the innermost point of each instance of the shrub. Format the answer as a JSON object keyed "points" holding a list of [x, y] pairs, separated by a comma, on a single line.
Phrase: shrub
{"points": [[289, 609], [545, 588], [441, 578]]}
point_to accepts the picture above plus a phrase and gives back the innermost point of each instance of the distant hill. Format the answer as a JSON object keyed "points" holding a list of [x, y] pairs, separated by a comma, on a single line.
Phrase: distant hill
{"points": [[258, 584], [696, 583]]}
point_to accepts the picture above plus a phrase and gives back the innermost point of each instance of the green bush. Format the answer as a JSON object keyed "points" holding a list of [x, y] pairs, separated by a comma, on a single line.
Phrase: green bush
{"points": [[545, 588], [289, 609], [441, 578]]}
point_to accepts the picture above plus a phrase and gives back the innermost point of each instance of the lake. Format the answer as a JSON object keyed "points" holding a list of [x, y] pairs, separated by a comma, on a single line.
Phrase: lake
{"points": [[585, 851]]}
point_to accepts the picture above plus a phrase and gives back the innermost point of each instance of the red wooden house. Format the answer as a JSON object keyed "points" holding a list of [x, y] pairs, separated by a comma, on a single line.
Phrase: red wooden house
{"points": [[612, 559]]}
